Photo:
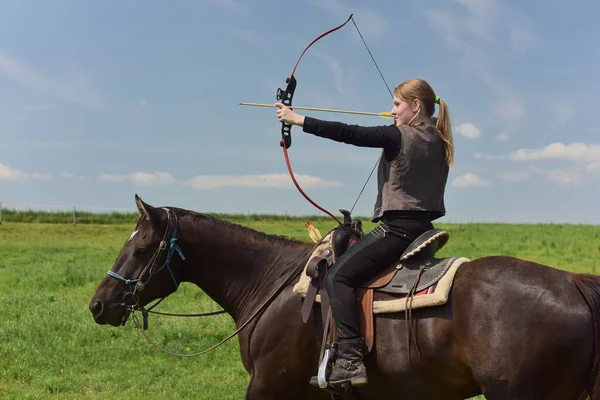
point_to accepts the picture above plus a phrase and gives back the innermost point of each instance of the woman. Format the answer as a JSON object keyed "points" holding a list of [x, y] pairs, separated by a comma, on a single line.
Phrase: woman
{"points": [[412, 174]]}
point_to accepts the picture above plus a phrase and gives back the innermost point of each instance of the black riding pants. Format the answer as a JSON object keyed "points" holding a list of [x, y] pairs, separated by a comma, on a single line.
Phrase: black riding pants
{"points": [[373, 252]]}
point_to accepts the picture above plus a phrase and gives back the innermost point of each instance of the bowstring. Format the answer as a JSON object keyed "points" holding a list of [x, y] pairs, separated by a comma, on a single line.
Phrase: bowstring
{"points": [[391, 94], [372, 58]]}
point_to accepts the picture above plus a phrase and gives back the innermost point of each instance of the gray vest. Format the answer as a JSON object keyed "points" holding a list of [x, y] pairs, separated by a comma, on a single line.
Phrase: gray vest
{"points": [[416, 179]]}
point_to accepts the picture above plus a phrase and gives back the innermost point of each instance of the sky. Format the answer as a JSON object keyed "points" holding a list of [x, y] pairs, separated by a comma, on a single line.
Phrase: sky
{"points": [[102, 100]]}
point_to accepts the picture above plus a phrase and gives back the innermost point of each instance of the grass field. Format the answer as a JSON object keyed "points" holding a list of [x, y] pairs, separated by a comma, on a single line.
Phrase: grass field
{"points": [[50, 346]]}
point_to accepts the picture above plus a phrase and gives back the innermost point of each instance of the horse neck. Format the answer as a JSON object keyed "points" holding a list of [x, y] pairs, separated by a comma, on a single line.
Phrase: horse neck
{"points": [[236, 266]]}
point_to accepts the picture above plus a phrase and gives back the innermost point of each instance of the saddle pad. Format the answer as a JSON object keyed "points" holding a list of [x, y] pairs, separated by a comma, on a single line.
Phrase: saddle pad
{"points": [[438, 297], [408, 272]]}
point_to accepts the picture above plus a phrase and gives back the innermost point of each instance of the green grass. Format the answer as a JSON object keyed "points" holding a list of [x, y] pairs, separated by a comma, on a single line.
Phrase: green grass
{"points": [[50, 347]]}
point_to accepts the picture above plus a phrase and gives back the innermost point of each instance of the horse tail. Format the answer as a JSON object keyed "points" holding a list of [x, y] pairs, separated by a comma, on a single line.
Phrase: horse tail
{"points": [[589, 286]]}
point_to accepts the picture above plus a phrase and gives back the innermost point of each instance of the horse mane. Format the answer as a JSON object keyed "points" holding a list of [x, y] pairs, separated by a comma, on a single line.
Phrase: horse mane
{"points": [[266, 237]]}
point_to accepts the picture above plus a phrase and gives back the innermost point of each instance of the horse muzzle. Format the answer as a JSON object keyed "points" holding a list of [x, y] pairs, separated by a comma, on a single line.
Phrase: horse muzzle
{"points": [[106, 314]]}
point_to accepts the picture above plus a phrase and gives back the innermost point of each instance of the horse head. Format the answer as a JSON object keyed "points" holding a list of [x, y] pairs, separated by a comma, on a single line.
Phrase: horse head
{"points": [[346, 235], [148, 267]]}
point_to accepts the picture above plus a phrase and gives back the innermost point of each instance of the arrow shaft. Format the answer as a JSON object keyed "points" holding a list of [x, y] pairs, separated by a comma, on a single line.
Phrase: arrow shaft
{"points": [[381, 114]]}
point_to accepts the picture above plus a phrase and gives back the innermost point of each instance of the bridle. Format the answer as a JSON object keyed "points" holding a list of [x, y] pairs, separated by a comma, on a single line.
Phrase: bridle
{"points": [[130, 298]]}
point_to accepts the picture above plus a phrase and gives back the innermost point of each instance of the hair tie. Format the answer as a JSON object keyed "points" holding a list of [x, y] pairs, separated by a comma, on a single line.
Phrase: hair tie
{"points": [[437, 100]]}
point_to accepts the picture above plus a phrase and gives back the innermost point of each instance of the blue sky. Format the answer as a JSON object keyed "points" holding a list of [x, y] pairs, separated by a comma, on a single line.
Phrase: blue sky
{"points": [[101, 100]]}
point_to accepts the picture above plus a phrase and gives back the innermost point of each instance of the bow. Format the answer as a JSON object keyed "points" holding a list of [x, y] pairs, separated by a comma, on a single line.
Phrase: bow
{"points": [[286, 96]]}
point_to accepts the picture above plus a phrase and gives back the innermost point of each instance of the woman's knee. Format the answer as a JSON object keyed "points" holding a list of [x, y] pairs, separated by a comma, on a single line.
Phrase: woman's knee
{"points": [[336, 277]]}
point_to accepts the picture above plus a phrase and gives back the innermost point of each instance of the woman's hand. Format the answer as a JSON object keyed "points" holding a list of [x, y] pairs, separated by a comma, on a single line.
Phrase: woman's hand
{"points": [[285, 115]]}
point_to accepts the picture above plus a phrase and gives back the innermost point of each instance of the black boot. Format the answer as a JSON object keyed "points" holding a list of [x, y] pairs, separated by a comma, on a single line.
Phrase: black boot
{"points": [[349, 366]]}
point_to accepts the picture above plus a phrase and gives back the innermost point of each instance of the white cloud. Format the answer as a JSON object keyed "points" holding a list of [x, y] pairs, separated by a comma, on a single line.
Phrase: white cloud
{"points": [[70, 176], [39, 176], [71, 85], [502, 137], [510, 109], [11, 174], [566, 177], [141, 178], [470, 180], [514, 176], [468, 130], [569, 176], [277, 181], [571, 151]]}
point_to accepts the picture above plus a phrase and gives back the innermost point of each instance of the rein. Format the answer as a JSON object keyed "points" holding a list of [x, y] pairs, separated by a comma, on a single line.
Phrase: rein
{"points": [[140, 284], [256, 313]]}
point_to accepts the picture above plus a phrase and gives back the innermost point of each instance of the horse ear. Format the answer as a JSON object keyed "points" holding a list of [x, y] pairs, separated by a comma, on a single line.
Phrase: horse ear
{"points": [[146, 210]]}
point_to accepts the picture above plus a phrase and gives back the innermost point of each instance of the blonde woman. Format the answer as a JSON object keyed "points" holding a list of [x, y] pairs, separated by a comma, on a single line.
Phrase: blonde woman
{"points": [[417, 152]]}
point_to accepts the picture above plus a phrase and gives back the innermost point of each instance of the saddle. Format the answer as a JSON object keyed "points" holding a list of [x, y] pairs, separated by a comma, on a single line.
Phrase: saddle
{"points": [[417, 279]]}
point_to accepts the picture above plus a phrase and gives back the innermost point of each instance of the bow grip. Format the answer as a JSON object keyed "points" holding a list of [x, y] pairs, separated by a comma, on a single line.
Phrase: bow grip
{"points": [[285, 97]]}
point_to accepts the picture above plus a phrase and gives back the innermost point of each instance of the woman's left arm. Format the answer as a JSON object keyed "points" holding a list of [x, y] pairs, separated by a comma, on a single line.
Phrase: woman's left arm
{"points": [[384, 136]]}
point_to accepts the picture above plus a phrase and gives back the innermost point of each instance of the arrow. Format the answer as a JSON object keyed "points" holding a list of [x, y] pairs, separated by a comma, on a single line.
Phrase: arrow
{"points": [[381, 114]]}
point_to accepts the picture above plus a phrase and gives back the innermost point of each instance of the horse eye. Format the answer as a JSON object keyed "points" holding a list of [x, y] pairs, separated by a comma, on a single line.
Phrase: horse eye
{"points": [[139, 250]]}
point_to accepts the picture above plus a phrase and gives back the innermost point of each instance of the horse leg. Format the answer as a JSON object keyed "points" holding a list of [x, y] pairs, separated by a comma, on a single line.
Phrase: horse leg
{"points": [[281, 353], [263, 387]]}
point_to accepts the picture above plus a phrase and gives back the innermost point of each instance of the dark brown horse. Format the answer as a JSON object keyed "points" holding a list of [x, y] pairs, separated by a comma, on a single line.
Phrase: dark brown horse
{"points": [[512, 329]]}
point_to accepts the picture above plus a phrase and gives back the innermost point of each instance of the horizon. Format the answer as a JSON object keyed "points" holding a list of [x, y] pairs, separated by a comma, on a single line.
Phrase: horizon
{"points": [[250, 216]]}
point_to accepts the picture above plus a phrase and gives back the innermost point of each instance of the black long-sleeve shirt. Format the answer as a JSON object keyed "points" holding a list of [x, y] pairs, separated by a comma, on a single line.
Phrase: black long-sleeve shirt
{"points": [[386, 137]]}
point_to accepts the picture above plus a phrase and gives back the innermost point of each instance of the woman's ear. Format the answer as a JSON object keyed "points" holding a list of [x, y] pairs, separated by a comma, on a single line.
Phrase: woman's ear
{"points": [[416, 105]]}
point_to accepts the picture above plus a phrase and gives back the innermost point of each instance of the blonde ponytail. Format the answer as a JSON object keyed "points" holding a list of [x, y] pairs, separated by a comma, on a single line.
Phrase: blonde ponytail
{"points": [[444, 128]]}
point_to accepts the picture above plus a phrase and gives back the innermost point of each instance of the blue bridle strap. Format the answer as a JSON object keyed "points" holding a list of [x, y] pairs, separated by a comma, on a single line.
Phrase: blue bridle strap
{"points": [[120, 278], [173, 247]]}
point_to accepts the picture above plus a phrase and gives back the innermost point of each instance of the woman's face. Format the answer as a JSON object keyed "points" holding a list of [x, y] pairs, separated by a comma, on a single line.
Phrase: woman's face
{"points": [[404, 110]]}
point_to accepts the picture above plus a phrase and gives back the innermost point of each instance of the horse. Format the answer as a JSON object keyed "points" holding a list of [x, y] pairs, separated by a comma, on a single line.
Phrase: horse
{"points": [[511, 328]]}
